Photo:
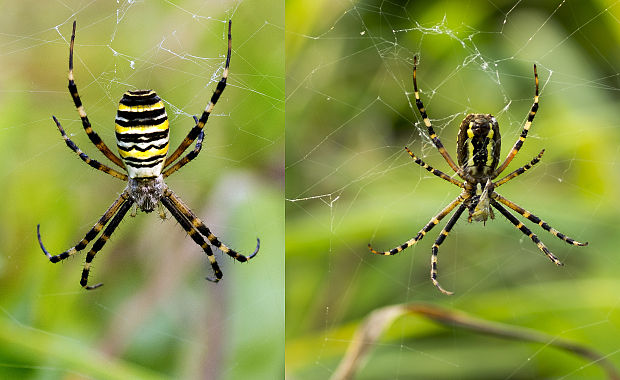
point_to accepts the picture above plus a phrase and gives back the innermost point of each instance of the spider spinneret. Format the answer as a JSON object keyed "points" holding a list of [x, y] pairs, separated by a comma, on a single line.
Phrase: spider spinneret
{"points": [[142, 138], [478, 156]]}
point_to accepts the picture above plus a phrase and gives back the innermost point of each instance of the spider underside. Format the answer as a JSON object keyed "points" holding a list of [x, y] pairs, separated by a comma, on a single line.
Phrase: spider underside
{"points": [[478, 154], [142, 133]]}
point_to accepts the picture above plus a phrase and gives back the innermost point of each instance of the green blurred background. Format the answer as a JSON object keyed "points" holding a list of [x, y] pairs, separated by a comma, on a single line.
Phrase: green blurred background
{"points": [[350, 112], [156, 316]]}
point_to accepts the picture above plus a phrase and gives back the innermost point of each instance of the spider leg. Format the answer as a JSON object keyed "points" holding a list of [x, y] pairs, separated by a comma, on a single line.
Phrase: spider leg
{"points": [[204, 230], [90, 235], [101, 242], [526, 231], [429, 226], [427, 121], [526, 128], [92, 135], [194, 132], [93, 163], [195, 235], [537, 220], [519, 171], [190, 156], [435, 249], [434, 171]]}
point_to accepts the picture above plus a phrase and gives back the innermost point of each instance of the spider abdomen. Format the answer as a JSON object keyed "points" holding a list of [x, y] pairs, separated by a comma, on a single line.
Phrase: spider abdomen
{"points": [[142, 133], [478, 145]]}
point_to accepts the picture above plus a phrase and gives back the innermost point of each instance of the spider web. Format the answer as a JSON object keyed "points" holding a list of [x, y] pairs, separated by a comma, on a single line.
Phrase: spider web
{"points": [[156, 316], [350, 111]]}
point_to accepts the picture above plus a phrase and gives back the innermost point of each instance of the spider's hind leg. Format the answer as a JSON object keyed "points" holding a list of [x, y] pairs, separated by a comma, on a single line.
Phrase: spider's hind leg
{"points": [[198, 239], [105, 236], [534, 219], [429, 226], [90, 235], [527, 232], [435, 249], [204, 230]]}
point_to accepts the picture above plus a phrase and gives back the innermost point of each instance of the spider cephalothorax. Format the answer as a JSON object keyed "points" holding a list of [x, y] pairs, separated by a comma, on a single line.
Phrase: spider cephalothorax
{"points": [[142, 138], [146, 192], [478, 150]]}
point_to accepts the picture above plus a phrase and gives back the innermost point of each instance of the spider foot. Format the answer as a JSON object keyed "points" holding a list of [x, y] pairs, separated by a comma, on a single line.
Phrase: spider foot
{"points": [[41, 243], [255, 250], [444, 291], [236, 255], [388, 253], [53, 259], [555, 260], [548, 253], [374, 250], [91, 287], [62, 131], [216, 271]]}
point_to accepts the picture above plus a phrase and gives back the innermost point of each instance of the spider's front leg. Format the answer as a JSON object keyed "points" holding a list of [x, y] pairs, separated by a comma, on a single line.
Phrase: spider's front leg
{"points": [[427, 121], [189, 157], [92, 135], [195, 131], [526, 128]]}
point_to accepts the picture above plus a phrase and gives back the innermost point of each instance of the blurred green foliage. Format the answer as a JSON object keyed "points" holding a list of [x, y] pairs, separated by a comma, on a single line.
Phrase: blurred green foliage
{"points": [[350, 111], [156, 316]]}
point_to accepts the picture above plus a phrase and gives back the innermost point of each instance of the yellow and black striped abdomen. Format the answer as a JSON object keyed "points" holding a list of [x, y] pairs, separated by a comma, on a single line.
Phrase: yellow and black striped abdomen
{"points": [[478, 146], [142, 133]]}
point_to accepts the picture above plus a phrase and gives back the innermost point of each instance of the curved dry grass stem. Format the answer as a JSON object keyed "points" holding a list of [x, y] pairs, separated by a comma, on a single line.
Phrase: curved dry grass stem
{"points": [[379, 320]]}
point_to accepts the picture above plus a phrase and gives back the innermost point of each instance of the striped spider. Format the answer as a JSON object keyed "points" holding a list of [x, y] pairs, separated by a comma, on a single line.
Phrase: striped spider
{"points": [[142, 138], [478, 151]]}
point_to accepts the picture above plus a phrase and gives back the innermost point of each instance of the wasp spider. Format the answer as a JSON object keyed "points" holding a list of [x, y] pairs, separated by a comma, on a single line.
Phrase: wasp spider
{"points": [[478, 151], [142, 140]]}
